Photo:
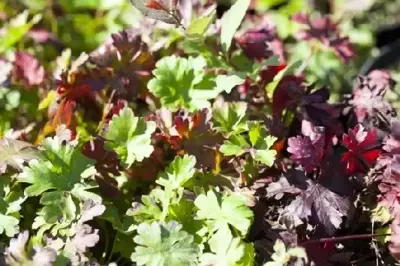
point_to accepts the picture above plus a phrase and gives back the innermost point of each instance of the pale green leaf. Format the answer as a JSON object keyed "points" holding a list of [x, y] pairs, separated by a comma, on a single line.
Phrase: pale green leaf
{"points": [[227, 83], [226, 250], [180, 170], [223, 211], [199, 26], [231, 21], [161, 244]]}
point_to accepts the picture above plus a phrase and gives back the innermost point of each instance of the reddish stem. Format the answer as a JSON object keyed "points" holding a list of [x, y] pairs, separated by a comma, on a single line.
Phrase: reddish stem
{"points": [[341, 238]]}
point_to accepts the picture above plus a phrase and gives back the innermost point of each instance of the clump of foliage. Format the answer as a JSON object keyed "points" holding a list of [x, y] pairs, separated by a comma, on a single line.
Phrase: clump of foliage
{"points": [[194, 133]]}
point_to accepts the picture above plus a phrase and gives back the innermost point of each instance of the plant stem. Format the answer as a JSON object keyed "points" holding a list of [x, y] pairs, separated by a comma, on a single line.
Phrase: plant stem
{"points": [[305, 63], [341, 238]]}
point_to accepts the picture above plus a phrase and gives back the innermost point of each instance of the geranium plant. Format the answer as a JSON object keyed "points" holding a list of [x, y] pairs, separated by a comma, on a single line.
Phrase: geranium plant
{"points": [[173, 133]]}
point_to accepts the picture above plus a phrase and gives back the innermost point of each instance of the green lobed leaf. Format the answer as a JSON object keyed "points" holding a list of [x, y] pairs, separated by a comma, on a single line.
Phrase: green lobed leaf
{"points": [[60, 170], [227, 83], [226, 250], [229, 117], [179, 171], [164, 244], [235, 145], [221, 211], [130, 136]]}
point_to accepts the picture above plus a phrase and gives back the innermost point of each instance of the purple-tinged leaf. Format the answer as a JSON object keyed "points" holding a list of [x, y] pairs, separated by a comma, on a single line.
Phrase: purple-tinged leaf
{"points": [[327, 207], [27, 70]]}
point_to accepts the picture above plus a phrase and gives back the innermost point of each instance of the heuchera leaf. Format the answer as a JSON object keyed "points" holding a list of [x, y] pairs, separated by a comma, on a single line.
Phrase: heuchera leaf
{"points": [[260, 148], [178, 172], [17, 252], [368, 96], [306, 152], [362, 149], [329, 208], [164, 244], [174, 80], [394, 246], [231, 21], [130, 136], [61, 169], [327, 32]]}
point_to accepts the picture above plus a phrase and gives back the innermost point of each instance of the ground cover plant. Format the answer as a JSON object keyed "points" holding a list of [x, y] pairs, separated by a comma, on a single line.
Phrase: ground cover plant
{"points": [[157, 132]]}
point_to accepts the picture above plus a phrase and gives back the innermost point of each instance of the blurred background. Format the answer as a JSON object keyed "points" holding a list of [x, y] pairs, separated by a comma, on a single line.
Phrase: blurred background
{"points": [[47, 27]]}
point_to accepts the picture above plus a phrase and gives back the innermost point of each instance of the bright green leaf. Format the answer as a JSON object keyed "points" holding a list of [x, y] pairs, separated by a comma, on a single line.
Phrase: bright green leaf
{"points": [[178, 172], [198, 27], [235, 145], [229, 117], [130, 136]]}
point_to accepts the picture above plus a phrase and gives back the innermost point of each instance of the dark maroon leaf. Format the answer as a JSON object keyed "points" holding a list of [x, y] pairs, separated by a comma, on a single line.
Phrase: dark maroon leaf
{"points": [[255, 43], [307, 152], [287, 93], [327, 32], [293, 182], [107, 166]]}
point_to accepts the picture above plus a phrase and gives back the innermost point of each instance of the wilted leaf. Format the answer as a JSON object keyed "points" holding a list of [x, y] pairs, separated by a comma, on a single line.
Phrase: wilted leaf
{"points": [[159, 13], [15, 152]]}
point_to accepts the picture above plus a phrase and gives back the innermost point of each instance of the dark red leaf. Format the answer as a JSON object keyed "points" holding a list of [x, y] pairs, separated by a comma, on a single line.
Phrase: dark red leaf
{"points": [[287, 93], [362, 149]]}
